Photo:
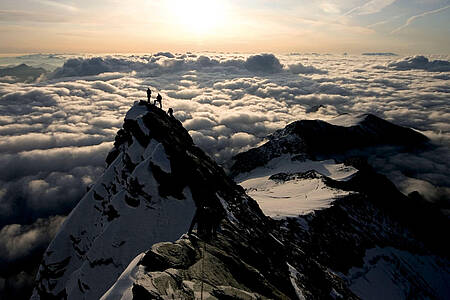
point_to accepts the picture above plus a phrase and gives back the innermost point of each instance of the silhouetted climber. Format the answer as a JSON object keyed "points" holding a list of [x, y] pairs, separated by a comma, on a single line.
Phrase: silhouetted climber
{"points": [[170, 112], [207, 220], [158, 99], [149, 95]]}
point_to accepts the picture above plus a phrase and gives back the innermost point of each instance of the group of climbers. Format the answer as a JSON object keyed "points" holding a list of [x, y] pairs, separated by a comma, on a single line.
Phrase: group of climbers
{"points": [[158, 100]]}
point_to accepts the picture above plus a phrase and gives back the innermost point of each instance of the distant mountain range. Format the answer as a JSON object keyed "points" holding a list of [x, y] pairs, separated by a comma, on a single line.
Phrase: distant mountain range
{"points": [[379, 54]]}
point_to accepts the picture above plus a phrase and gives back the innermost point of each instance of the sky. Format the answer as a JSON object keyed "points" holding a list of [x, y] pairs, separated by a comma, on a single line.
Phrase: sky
{"points": [[281, 26]]}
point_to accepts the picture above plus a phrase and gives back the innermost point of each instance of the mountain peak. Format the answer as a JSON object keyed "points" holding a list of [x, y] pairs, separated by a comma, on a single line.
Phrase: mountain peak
{"points": [[145, 122], [155, 180], [317, 137]]}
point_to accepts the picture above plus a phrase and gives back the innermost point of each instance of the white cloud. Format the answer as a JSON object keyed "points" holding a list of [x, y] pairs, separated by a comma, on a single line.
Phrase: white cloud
{"points": [[370, 7], [57, 5], [330, 8], [55, 134], [299, 68]]}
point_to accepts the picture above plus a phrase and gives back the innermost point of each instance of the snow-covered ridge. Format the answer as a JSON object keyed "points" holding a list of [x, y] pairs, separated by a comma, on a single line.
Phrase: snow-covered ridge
{"points": [[311, 138], [122, 215], [155, 179]]}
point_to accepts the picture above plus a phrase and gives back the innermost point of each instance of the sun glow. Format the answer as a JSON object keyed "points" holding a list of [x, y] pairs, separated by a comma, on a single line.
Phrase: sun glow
{"points": [[199, 17]]}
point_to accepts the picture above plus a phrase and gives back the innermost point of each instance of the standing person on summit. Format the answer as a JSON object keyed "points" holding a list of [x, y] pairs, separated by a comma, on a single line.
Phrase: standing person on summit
{"points": [[158, 99], [149, 95]]}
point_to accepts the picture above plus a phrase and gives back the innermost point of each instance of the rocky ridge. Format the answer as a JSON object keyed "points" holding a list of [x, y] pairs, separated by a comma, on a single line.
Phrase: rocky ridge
{"points": [[125, 239]]}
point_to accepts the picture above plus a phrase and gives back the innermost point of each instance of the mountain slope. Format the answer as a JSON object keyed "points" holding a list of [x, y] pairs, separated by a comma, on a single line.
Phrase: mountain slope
{"points": [[313, 138], [383, 244], [126, 238]]}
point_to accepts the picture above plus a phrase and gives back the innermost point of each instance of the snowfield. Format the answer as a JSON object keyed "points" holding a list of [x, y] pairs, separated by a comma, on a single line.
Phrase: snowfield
{"points": [[280, 199]]}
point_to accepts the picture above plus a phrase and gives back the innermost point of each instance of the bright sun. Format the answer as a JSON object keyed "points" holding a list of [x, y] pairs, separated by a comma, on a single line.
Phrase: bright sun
{"points": [[198, 16]]}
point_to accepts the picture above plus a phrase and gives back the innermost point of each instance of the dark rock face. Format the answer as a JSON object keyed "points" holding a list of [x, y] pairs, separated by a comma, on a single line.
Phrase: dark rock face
{"points": [[315, 137], [239, 264]]}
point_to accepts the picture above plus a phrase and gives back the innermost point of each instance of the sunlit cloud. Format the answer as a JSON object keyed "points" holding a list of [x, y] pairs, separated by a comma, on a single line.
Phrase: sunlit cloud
{"points": [[329, 7], [371, 7], [57, 4]]}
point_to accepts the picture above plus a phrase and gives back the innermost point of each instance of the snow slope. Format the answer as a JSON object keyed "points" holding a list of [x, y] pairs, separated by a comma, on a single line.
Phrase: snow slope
{"points": [[122, 215], [387, 267], [300, 194]]}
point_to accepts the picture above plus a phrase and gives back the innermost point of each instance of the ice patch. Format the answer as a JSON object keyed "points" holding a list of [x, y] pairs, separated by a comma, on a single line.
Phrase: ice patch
{"points": [[143, 128], [137, 111], [150, 148], [122, 287], [286, 164], [294, 197], [291, 198], [230, 215], [135, 151], [293, 273], [160, 159]]}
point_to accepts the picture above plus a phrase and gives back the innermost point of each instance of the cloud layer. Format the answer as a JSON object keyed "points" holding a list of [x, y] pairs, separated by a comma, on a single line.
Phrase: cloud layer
{"points": [[55, 133], [422, 63]]}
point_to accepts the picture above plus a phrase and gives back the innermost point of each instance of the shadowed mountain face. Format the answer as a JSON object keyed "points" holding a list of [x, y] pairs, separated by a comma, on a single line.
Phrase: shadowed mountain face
{"points": [[125, 239], [382, 243], [318, 138]]}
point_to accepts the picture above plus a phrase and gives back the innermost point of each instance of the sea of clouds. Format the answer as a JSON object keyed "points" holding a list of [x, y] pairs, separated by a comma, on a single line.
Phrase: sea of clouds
{"points": [[55, 132]]}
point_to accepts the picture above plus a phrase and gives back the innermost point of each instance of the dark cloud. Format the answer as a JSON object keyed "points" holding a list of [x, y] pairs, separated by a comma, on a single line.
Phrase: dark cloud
{"points": [[166, 54], [57, 159], [422, 63], [44, 194], [21, 249], [17, 241], [263, 63], [21, 73]]}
